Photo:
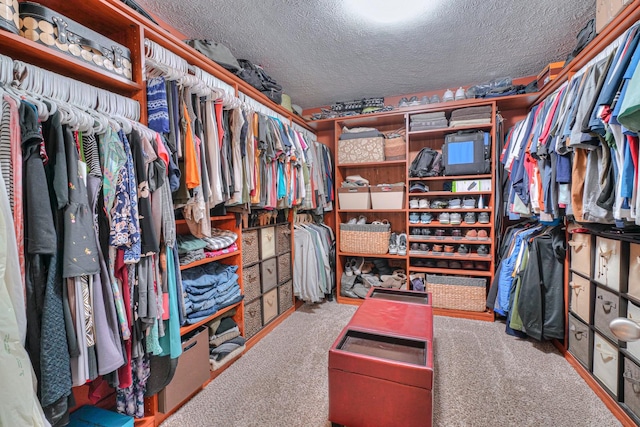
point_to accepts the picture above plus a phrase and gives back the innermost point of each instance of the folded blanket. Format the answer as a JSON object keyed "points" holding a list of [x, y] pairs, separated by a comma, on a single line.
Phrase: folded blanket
{"points": [[218, 353], [188, 242], [471, 110], [219, 239], [217, 340], [427, 116], [215, 365], [227, 250]]}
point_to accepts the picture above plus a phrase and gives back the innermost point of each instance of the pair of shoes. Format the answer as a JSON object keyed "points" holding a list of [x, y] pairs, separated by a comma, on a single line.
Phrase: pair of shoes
{"points": [[470, 218], [443, 218], [473, 234], [460, 94], [439, 233], [360, 220], [483, 218], [455, 218], [424, 100], [426, 218], [456, 233], [448, 95], [414, 218], [404, 102], [463, 249], [482, 250], [435, 99], [418, 204], [395, 280], [439, 204], [449, 249]]}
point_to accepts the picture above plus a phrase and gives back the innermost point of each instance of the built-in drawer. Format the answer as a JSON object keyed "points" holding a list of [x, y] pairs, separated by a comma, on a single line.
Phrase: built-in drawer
{"points": [[270, 305], [580, 297], [283, 238], [633, 313], [631, 378], [285, 297], [605, 363], [606, 308], [284, 267], [634, 270], [251, 282], [252, 318], [267, 242], [580, 244], [269, 274], [579, 340], [607, 268], [250, 248]]}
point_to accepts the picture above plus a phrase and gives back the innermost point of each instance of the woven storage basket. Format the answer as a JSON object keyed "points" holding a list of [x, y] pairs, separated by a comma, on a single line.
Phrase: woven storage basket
{"points": [[251, 282], [365, 238], [283, 239], [459, 293], [284, 267], [252, 318], [250, 250], [285, 297], [395, 145]]}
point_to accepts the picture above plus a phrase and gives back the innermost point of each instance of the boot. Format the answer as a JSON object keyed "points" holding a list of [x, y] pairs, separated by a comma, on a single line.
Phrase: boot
{"points": [[346, 286]]}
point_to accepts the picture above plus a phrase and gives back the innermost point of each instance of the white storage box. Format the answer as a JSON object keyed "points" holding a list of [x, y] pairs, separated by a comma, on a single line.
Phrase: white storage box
{"points": [[580, 299], [633, 313], [605, 363], [607, 271], [356, 198], [469, 185], [634, 270], [387, 196]]}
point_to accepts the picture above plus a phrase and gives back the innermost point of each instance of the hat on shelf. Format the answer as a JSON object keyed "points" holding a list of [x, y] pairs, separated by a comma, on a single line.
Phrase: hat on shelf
{"points": [[418, 187]]}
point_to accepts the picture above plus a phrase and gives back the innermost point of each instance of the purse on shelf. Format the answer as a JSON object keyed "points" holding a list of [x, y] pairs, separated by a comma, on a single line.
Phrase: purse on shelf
{"points": [[49, 28], [9, 16]]}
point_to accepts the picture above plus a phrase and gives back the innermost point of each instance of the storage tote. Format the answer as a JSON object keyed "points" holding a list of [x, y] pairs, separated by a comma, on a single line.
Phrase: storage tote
{"points": [[250, 249], [387, 196], [458, 293], [355, 198], [361, 150], [365, 238], [285, 297]]}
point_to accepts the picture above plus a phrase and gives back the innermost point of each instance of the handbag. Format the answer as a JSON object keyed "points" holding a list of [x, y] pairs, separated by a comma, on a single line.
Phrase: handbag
{"points": [[395, 145], [9, 16], [217, 52], [47, 27]]}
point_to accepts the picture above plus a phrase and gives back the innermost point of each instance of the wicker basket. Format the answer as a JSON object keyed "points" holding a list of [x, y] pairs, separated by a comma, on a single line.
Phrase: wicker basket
{"points": [[395, 147], [250, 250], [459, 293], [365, 238]]}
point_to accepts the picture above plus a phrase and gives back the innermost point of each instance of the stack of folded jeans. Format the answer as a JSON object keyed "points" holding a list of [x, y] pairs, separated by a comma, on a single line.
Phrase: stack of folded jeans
{"points": [[428, 121], [471, 116], [209, 288]]}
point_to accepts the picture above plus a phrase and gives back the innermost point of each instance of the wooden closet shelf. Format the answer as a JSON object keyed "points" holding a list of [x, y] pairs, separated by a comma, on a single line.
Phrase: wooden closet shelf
{"points": [[431, 240], [451, 193], [385, 164], [208, 260], [444, 256], [449, 177], [457, 272], [186, 329], [436, 224], [452, 210], [354, 255], [213, 218], [487, 316], [441, 131]]}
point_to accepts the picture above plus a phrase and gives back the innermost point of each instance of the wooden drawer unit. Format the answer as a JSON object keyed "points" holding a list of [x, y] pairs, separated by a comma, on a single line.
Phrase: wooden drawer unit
{"points": [[284, 267], [270, 306], [252, 318], [285, 297], [579, 341], [267, 242], [634, 270], [606, 308], [633, 313], [607, 262], [580, 297], [251, 281], [631, 379], [605, 363], [268, 274], [580, 244], [250, 249], [283, 239]]}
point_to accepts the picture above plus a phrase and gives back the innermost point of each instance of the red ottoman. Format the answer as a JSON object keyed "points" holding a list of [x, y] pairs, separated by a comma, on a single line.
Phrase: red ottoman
{"points": [[380, 379]]}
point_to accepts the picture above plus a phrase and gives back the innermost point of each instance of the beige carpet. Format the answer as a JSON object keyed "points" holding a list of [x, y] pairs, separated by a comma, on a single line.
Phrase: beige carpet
{"points": [[483, 378]]}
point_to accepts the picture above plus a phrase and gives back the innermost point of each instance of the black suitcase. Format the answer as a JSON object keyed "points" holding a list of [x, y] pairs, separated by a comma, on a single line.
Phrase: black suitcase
{"points": [[467, 153]]}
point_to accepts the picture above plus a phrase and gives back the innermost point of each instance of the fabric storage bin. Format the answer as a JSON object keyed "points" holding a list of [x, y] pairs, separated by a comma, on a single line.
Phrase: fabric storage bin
{"points": [[459, 293], [606, 308], [607, 268], [631, 378], [192, 371], [580, 297], [580, 245], [634, 270], [268, 274], [605, 363], [252, 318], [579, 341], [387, 196], [284, 267], [251, 282], [365, 238], [356, 198], [269, 306], [633, 313], [285, 297], [267, 242], [283, 238], [250, 250], [361, 150]]}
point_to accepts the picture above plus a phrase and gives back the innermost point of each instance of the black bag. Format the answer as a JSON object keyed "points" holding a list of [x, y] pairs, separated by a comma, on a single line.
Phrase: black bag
{"points": [[256, 77], [428, 162], [585, 36], [217, 52], [467, 153]]}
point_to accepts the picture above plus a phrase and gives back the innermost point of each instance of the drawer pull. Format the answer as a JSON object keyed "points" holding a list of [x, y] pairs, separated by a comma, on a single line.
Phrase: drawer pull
{"points": [[607, 306], [269, 270], [250, 240], [576, 333], [577, 245], [189, 347], [576, 288], [606, 254], [606, 355]]}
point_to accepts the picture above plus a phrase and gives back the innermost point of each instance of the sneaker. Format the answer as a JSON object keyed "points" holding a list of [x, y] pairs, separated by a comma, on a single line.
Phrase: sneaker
{"points": [[443, 218], [426, 218], [402, 244], [456, 233], [362, 219], [426, 232], [435, 99], [393, 244], [460, 94], [472, 234], [483, 218], [352, 221], [482, 266], [483, 235], [482, 250], [455, 218], [439, 234], [469, 203], [414, 218], [424, 247], [423, 204], [414, 247], [468, 265], [455, 264], [404, 102], [454, 204], [437, 249], [424, 100], [470, 218], [449, 249], [463, 249], [448, 95], [415, 231], [413, 101], [442, 264], [439, 204], [414, 204]]}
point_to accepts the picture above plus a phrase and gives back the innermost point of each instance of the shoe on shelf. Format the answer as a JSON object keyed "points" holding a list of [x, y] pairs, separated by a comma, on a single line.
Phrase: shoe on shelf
{"points": [[455, 264], [414, 204], [435, 99], [414, 218], [440, 233], [413, 101], [357, 267], [482, 250], [448, 95], [426, 218], [437, 249], [424, 247], [463, 249], [449, 249], [469, 203], [472, 234], [443, 218], [483, 235], [439, 204], [402, 244], [352, 221], [456, 233], [482, 266], [348, 266], [454, 204], [393, 244], [404, 102], [423, 204], [470, 218], [414, 247], [483, 218], [426, 232], [424, 100], [467, 265], [415, 232], [362, 220], [460, 94], [455, 218], [442, 264]]}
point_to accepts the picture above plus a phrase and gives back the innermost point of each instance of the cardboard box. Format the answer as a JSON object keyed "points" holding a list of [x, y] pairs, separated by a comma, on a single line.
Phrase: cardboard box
{"points": [[470, 185], [606, 10], [356, 198], [91, 416], [549, 73], [387, 197]]}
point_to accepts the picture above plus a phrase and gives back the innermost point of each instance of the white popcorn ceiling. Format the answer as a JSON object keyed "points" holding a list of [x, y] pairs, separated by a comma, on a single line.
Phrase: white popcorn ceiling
{"points": [[321, 54]]}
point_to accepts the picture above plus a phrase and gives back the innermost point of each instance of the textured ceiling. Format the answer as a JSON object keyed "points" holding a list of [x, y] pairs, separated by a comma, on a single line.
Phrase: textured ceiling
{"points": [[320, 53]]}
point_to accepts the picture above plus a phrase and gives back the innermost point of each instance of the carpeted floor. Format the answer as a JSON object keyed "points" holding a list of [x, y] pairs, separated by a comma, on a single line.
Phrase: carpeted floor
{"points": [[483, 377]]}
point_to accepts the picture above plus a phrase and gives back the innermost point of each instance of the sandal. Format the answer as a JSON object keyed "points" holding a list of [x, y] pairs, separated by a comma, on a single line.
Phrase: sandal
{"points": [[362, 220]]}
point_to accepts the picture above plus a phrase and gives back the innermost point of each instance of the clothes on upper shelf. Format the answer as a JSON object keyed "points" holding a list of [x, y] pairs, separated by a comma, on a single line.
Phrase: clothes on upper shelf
{"points": [[313, 277], [427, 121], [471, 116], [577, 150], [191, 248]]}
